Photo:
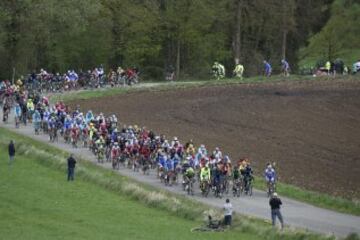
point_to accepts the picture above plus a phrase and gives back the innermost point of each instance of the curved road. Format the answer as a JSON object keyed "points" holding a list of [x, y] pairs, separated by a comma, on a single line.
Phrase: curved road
{"points": [[296, 214]]}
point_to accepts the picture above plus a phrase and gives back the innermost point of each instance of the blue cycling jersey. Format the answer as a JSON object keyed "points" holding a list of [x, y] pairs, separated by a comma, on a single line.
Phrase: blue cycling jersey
{"points": [[169, 165], [67, 123], [17, 111], [270, 174], [267, 67]]}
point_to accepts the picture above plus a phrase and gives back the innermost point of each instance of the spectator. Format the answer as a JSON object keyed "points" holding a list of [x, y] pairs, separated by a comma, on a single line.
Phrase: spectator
{"points": [[227, 213], [275, 203], [11, 152], [71, 167]]}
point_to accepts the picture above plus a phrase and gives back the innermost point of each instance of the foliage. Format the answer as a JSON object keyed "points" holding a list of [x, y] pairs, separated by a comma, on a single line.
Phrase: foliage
{"points": [[155, 35], [339, 38]]}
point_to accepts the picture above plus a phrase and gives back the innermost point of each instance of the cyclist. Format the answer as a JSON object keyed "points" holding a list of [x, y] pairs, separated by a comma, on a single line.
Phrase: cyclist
{"points": [[74, 132], [267, 69], [89, 116], [205, 176], [189, 176], [30, 107], [36, 118], [113, 122], [285, 68], [46, 117], [328, 67], [189, 148], [236, 175], [115, 153], [189, 173], [270, 175], [218, 70], [100, 141], [356, 67], [217, 154], [239, 71], [18, 113], [248, 176]]}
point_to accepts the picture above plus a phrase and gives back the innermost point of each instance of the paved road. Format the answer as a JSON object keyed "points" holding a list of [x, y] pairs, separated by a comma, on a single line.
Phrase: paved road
{"points": [[296, 214]]}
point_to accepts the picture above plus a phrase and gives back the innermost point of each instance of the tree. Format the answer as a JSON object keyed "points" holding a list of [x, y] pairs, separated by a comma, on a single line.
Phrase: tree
{"points": [[339, 38]]}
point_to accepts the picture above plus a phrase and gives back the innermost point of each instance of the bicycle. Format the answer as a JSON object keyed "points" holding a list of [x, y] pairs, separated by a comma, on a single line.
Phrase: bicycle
{"points": [[271, 188], [205, 188], [238, 187], [189, 186]]}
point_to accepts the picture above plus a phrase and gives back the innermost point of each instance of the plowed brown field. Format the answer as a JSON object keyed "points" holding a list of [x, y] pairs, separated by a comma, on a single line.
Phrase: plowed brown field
{"points": [[310, 129]]}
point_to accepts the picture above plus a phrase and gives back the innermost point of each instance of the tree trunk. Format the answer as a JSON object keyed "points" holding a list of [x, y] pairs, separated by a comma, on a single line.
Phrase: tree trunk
{"points": [[284, 42], [178, 51], [237, 33]]}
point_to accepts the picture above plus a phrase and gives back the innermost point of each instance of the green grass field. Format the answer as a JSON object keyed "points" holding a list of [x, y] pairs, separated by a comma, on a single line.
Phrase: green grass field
{"points": [[36, 202]]}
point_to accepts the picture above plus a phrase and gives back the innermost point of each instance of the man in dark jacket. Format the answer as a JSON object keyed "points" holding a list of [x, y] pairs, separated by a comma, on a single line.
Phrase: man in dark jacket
{"points": [[11, 152], [275, 203], [71, 167]]}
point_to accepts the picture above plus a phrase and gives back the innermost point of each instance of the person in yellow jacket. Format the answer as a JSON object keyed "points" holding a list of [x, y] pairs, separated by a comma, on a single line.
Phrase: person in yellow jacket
{"points": [[328, 67], [30, 108], [205, 174], [239, 71], [92, 130]]}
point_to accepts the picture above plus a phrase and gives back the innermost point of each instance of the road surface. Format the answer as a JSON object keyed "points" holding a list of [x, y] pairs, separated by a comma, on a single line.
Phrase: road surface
{"points": [[296, 214]]}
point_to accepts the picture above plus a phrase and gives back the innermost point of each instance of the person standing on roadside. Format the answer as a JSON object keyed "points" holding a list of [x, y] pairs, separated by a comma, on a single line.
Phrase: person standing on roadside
{"points": [[71, 167], [227, 213], [11, 152], [275, 203]]}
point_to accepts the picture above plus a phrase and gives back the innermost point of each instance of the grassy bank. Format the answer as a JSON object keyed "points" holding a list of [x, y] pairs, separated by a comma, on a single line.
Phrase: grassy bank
{"points": [[95, 192], [164, 86], [314, 198], [38, 203]]}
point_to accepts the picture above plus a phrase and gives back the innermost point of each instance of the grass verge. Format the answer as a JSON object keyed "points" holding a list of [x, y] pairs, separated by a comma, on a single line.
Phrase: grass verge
{"points": [[98, 179], [165, 86], [38, 203], [322, 200]]}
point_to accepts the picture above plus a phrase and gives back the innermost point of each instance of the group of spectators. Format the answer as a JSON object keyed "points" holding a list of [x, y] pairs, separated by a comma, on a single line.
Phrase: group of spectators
{"points": [[336, 67]]}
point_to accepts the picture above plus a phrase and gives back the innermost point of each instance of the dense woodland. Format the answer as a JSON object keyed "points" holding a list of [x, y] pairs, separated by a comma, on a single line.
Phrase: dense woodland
{"points": [[154, 35]]}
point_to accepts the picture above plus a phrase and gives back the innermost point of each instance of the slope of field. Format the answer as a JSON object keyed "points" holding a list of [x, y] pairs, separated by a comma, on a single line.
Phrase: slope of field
{"points": [[310, 129], [38, 203]]}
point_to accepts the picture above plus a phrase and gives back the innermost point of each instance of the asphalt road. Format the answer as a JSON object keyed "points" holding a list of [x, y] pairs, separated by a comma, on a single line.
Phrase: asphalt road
{"points": [[295, 213]]}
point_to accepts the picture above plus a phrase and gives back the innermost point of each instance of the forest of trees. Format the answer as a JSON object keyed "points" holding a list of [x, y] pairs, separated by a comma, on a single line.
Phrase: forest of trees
{"points": [[156, 34], [339, 38]]}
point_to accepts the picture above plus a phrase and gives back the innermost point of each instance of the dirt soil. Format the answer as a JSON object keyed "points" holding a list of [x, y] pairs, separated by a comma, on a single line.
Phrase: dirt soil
{"points": [[310, 129]]}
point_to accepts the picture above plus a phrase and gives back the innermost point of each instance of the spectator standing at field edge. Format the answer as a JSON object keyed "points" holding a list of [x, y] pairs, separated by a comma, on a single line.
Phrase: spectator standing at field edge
{"points": [[71, 167], [275, 203], [11, 152], [227, 213]]}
